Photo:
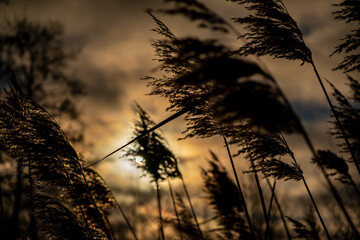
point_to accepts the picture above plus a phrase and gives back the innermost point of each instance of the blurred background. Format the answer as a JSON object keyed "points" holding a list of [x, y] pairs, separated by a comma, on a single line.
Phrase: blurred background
{"points": [[100, 50]]}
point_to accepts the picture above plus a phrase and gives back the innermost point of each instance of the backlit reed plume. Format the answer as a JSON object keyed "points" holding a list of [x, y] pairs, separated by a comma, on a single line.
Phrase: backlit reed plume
{"points": [[54, 169], [157, 162]]}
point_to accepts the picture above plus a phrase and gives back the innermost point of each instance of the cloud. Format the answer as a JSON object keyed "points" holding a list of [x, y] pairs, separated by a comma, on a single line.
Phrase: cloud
{"points": [[115, 40]]}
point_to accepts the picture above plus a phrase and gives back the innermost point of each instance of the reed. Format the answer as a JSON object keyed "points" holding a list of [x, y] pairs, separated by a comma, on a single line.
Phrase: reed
{"points": [[273, 32]]}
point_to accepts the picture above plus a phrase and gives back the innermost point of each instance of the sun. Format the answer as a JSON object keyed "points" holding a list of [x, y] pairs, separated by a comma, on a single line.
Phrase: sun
{"points": [[139, 160]]}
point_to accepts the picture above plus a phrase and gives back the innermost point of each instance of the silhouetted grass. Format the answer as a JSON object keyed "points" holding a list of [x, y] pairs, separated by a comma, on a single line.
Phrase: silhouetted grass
{"points": [[220, 93]]}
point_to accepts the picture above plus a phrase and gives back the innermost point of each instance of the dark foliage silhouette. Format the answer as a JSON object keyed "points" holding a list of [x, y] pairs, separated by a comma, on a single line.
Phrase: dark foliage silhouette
{"points": [[303, 232], [30, 134], [66, 227], [220, 93], [334, 163], [157, 160], [224, 199], [349, 11], [272, 32], [268, 27], [197, 11], [36, 53], [348, 112], [188, 228]]}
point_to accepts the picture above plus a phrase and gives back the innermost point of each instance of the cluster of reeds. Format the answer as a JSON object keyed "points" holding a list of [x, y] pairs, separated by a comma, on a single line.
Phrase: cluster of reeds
{"points": [[220, 93]]}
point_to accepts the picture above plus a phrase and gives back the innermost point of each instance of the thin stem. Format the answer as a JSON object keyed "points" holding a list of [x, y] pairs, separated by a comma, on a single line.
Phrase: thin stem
{"points": [[316, 208], [341, 128], [261, 197], [108, 225], [267, 232], [159, 208], [240, 191], [165, 121], [108, 232], [174, 205], [173, 198], [121, 210], [208, 220], [280, 211], [332, 188], [272, 198], [341, 204], [353, 184], [126, 219], [191, 206], [308, 141]]}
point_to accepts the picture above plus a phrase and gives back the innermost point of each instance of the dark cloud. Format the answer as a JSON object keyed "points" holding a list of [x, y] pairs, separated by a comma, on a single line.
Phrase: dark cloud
{"points": [[311, 112], [104, 88]]}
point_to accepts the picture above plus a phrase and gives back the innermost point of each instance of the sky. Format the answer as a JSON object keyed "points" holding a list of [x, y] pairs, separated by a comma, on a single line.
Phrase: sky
{"points": [[114, 37]]}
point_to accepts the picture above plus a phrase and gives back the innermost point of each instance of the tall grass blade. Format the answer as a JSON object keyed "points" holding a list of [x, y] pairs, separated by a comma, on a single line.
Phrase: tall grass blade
{"points": [[175, 208], [262, 200], [242, 198], [191, 207], [280, 210], [267, 231], [145, 133], [106, 197], [159, 209]]}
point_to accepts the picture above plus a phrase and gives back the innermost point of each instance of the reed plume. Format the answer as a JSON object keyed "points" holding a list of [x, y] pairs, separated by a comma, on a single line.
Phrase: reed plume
{"points": [[349, 114], [225, 201], [302, 231], [157, 160], [349, 11], [199, 12], [273, 32], [337, 165], [29, 133]]}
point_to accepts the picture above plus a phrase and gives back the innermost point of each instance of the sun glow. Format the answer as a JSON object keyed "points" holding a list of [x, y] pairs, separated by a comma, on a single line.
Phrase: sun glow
{"points": [[139, 159]]}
